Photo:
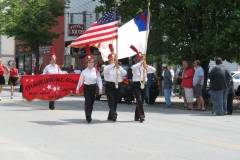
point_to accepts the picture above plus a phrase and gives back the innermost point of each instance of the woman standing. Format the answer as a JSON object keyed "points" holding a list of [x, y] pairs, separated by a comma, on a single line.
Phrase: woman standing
{"points": [[187, 84], [2, 79], [91, 78], [113, 90], [13, 78], [138, 75]]}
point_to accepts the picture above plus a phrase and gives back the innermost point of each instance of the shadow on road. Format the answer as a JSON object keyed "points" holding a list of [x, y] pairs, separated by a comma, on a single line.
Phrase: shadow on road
{"points": [[75, 121]]}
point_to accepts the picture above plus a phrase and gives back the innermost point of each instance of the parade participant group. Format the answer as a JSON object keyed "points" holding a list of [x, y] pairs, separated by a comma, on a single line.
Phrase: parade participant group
{"points": [[190, 79]]}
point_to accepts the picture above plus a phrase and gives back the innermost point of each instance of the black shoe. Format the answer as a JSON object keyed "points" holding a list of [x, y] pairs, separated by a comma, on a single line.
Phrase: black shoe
{"points": [[141, 120], [136, 119], [110, 119], [52, 107], [89, 119], [229, 113], [114, 118]]}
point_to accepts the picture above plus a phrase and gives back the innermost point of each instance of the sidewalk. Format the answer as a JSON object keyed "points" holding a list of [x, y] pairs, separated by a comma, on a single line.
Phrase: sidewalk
{"points": [[178, 103], [160, 100]]}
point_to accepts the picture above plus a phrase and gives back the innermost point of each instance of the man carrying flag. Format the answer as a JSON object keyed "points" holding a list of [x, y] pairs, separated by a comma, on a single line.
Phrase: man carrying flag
{"points": [[112, 71], [139, 77]]}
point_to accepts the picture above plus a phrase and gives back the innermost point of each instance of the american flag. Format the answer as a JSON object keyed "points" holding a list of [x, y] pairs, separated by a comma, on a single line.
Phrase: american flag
{"points": [[104, 29]]}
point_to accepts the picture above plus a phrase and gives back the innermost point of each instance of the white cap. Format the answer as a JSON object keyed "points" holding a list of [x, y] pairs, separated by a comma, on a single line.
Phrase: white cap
{"points": [[164, 65]]}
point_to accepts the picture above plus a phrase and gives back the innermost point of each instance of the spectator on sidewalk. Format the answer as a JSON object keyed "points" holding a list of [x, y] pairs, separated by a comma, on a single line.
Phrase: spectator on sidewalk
{"points": [[219, 84], [231, 95], [172, 74], [184, 64], [198, 80], [167, 80], [187, 83], [179, 80]]}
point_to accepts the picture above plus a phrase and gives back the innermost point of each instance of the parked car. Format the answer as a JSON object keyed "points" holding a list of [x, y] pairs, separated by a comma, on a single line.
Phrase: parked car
{"points": [[126, 93], [236, 80], [234, 72]]}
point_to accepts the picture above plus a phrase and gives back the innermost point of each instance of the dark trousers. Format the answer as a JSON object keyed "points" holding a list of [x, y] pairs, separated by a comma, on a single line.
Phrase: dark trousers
{"points": [[89, 94], [230, 103], [113, 95], [140, 95], [51, 104]]}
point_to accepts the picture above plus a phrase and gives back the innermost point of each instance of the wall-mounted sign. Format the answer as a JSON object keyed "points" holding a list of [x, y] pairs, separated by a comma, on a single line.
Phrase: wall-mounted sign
{"points": [[23, 48], [44, 49], [76, 29]]}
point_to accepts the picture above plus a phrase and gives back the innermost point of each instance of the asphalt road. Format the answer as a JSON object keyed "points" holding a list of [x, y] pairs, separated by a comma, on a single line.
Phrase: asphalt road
{"points": [[30, 131]]}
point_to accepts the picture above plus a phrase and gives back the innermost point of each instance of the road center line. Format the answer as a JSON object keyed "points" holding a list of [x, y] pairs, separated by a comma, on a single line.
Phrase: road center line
{"points": [[226, 145]]}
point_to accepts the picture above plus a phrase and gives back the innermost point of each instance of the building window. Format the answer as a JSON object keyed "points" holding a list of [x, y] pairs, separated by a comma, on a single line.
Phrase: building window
{"points": [[97, 16], [84, 17], [71, 18]]}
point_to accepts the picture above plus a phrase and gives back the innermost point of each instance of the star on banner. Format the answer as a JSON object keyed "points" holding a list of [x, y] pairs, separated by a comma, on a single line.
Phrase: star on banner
{"points": [[49, 87]]}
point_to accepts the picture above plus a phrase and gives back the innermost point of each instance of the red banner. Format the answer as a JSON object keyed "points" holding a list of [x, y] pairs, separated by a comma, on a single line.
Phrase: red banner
{"points": [[49, 86]]}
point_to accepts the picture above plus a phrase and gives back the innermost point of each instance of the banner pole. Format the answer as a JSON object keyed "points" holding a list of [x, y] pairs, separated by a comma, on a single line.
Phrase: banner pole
{"points": [[116, 80], [144, 56]]}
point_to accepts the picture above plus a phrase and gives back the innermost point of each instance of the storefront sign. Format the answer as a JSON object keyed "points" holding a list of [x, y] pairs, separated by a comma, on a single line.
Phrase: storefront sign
{"points": [[76, 29], [23, 48]]}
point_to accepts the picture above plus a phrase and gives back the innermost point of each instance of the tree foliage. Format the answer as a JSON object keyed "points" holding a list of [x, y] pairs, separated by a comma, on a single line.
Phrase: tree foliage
{"points": [[31, 21], [188, 29]]}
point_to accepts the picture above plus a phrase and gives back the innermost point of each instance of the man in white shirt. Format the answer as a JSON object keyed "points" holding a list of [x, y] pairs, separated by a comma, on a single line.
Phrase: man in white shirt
{"points": [[52, 68], [140, 71], [113, 84]]}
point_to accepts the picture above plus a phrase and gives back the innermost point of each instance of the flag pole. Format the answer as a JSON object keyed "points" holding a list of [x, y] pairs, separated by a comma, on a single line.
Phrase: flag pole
{"points": [[144, 55], [116, 81]]}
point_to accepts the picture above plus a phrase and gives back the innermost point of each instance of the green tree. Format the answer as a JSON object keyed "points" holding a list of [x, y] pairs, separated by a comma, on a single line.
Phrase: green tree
{"points": [[188, 29], [31, 21]]}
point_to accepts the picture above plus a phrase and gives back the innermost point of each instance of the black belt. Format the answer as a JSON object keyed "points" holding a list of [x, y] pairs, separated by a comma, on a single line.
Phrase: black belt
{"points": [[138, 82], [112, 82], [90, 84]]}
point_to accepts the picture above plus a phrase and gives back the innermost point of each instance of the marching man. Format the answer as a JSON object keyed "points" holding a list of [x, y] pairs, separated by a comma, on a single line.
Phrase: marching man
{"points": [[52, 68], [113, 74], [138, 77], [91, 78]]}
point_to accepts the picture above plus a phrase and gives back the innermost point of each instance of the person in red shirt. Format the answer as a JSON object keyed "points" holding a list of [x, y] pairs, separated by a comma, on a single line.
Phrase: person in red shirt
{"points": [[2, 79], [187, 84], [13, 78]]}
